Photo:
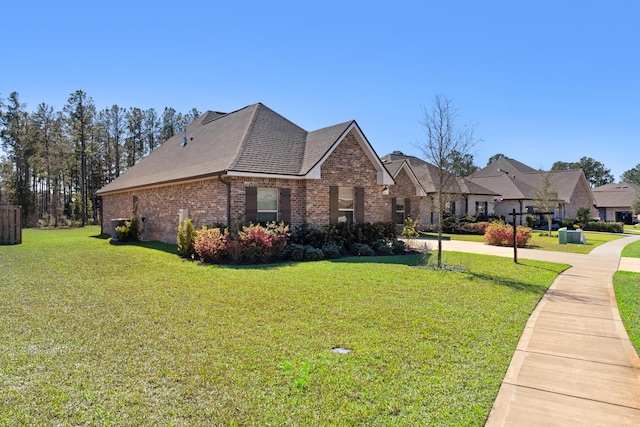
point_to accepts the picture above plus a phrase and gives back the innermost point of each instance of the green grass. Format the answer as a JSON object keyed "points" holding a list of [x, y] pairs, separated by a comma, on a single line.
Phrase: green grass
{"points": [[627, 287], [632, 229], [97, 334], [632, 250], [541, 240]]}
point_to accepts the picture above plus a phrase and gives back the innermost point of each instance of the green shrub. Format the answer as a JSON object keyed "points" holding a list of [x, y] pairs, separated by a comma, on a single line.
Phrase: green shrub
{"points": [[398, 247], [409, 230], [331, 250], [607, 227], [186, 238], [382, 248], [362, 249], [530, 220], [313, 254], [128, 231], [294, 252], [568, 223], [583, 216]]}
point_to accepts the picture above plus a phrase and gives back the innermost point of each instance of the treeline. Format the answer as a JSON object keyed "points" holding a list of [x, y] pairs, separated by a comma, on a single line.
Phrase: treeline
{"points": [[55, 161]]}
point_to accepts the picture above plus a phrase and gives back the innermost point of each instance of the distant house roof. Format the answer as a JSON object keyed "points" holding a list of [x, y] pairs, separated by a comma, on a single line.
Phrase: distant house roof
{"points": [[252, 141], [426, 175], [503, 166], [616, 195], [516, 181]]}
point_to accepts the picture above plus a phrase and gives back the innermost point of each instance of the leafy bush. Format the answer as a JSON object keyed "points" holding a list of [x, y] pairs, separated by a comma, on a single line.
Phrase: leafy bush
{"points": [[398, 247], [568, 222], [500, 234], [128, 231], [583, 216], [607, 227], [212, 245], [331, 250], [362, 249], [313, 254], [382, 248], [478, 228], [530, 220], [409, 230], [294, 252], [257, 243], [186, 238]]}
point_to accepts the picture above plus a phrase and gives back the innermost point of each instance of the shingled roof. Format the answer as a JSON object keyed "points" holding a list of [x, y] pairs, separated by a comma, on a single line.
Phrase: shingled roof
{"points": [[426, 175], [514, 180], [616, 195], [252, 141]]}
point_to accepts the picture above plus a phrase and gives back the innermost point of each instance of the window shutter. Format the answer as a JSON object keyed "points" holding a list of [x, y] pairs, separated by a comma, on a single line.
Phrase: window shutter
{"points": [[359, 205], [407, 207], [333, 204], [285, 205], [393, 208], [251, 204]]}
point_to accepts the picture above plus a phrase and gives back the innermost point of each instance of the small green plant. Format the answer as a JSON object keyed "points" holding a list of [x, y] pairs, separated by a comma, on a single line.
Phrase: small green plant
{"points": [[129, 230], [583, 216], [529, 220], [186, 238]]}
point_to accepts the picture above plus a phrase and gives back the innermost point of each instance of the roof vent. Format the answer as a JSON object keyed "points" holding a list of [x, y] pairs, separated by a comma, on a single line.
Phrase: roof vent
{"points": [[184, 138]]}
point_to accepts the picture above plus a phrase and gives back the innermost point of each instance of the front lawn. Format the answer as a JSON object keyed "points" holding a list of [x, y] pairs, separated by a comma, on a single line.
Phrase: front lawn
{"points": [[627, 289], [92, 333], [632, 250]]}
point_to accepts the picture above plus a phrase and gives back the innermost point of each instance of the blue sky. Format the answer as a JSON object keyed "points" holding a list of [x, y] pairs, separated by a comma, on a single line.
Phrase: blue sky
{"points": [[540, 80]]}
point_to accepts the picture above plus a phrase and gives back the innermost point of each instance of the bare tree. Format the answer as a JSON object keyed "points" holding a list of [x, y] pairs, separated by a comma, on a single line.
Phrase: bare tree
{"points": [[445, 144], [546, 198]]}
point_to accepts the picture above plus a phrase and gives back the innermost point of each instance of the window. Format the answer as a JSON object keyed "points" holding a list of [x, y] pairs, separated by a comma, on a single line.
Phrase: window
{"points": [[346, 204], [267, 205], [399, 211], [481, 208]]}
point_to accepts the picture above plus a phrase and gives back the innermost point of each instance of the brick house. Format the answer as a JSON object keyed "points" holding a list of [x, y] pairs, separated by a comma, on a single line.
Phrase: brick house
{"points": [[251, 165], [517, 183], [414, 194], [613, 201]]}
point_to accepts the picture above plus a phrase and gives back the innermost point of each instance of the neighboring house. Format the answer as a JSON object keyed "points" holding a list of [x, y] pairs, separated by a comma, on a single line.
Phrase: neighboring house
{"points": [[518, 183], [251, 165], [613, 202], [415, 192]]}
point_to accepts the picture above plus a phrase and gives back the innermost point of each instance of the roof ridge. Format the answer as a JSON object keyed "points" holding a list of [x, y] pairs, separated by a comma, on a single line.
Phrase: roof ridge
{"points": [[247, 132]]}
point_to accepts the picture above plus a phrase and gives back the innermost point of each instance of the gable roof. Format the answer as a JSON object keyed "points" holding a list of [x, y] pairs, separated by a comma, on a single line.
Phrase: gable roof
{"points": [[251, 141], [616, 195], [503, 166], [516, 181], [426, 175]]}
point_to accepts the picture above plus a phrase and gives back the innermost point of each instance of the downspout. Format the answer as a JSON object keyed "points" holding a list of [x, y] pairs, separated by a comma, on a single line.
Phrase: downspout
{"points": [[228, 184]]}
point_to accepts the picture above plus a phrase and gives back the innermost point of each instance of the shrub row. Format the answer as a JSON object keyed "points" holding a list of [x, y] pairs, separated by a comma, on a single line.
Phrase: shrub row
{"points": [[251, 245], [257, 244], [608, 227], [500, 234]]}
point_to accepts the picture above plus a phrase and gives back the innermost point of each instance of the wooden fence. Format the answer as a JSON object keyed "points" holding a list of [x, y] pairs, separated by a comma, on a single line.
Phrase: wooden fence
{"points": [[10, 225]]}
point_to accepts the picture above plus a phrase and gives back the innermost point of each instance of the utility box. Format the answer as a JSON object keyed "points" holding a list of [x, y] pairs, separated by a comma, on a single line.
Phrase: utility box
{"points": [[576, 236], [562, 235], [183, 214]]}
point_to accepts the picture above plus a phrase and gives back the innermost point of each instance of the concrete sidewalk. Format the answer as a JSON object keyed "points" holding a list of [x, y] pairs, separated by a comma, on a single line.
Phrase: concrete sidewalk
{"points": [[574, 364]]}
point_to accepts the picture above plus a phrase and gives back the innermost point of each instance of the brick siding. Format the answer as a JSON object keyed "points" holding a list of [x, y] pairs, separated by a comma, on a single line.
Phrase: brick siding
{"points": [[206, 199]]}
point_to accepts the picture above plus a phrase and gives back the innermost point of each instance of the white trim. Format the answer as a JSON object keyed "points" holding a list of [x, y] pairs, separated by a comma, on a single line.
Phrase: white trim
{"points": [[420, 192]]}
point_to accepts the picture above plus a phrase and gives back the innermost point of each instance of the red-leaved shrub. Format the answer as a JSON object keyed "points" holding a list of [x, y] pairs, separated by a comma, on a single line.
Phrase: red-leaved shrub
{"points": [[500, 234], [253, 244], [211, 245]]}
